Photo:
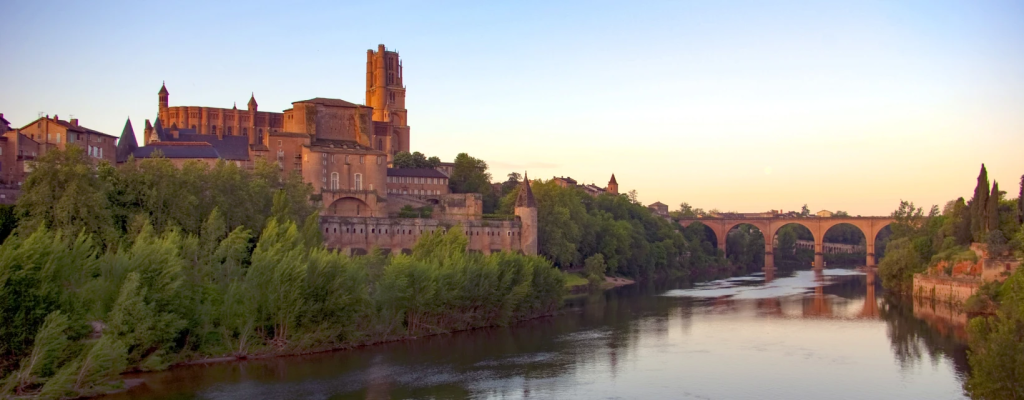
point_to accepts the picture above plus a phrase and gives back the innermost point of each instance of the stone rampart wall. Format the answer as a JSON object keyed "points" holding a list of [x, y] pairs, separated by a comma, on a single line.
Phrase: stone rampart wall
{"points": [[945, 289], [355, 235]]}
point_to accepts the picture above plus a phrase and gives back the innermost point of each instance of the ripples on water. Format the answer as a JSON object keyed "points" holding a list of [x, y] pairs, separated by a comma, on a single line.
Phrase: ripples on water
{"points": [[795, 335]]}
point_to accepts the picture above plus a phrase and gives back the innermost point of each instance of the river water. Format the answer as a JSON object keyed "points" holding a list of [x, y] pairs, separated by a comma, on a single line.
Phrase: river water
{"points": [[795, 335]]}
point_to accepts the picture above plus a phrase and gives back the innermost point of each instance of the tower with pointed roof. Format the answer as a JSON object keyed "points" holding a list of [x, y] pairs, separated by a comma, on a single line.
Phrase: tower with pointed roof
{"points": [[613, 186], [526, 214], [127, 143], [164, 97]]}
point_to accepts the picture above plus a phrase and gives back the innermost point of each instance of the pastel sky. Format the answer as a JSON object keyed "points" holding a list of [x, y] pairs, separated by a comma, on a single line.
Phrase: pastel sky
{"points": [[741, 106]]}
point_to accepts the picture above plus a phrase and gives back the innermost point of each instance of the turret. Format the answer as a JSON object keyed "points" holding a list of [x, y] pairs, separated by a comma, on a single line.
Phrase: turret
{"points": [[526, 214], [613, 186], [127, 144], [163, 95], [252, 102]]}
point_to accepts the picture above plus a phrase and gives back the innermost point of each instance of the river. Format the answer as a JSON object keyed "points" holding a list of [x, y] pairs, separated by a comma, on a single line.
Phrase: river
{"points": [[794, 335]]}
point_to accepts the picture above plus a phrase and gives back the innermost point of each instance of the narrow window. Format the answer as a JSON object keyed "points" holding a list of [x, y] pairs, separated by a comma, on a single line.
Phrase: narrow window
{"points": [[229, 130], [213, 129], [358, 182], [334, 181]]}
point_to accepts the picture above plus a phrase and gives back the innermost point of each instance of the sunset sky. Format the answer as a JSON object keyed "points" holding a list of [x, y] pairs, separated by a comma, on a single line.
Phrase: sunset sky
{"points": [[739, 106]]}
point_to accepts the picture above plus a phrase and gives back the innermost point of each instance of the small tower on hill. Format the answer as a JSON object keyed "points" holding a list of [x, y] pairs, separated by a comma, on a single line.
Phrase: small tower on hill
{"points": [[613, 186], [526, 213]]}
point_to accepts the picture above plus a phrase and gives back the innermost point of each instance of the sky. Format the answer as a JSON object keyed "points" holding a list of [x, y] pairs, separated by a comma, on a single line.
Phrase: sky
{"points": [[735, 106]]}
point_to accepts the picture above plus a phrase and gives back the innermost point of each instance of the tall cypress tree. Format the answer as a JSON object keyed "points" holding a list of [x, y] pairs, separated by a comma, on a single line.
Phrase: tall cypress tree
{"points": [[978, 205], [992, 209], [1020, 202]]}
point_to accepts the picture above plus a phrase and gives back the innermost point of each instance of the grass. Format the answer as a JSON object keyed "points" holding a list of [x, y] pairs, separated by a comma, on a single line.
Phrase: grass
{"points": [[572, 280]]}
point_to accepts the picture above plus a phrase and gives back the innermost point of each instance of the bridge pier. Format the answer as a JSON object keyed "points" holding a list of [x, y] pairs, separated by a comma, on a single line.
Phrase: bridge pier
{"points": [[819, 257], [769, 261], [871, 253]]}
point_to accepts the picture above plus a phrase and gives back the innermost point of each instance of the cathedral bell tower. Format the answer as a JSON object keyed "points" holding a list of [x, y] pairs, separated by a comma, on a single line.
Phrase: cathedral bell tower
{"points": [[385, 92]]}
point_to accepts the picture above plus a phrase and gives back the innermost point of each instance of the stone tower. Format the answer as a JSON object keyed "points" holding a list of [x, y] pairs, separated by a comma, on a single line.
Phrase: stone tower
{"points": [[385, 92], [613, 186], [526, 213], [163, 104]]}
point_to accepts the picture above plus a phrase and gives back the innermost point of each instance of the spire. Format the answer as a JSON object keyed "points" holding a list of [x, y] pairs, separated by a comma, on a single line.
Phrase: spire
{"points": [[525, 198], [613, 182], [127, 144], [234, 106], [163, 89], [252, 101]]}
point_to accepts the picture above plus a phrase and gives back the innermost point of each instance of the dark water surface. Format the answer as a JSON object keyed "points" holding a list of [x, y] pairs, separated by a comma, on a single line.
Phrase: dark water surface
{"points": [[798, 335]]}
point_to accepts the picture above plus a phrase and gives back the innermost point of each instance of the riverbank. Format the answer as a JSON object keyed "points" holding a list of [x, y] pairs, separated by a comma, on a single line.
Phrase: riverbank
{"points": [[614, 343]]}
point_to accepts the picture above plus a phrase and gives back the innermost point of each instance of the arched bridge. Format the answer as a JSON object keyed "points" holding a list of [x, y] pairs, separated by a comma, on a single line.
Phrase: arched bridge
{"points": [[869, 226]]}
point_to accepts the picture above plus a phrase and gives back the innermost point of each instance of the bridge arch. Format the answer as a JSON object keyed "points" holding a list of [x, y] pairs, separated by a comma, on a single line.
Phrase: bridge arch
{"points": [[769, 226]]}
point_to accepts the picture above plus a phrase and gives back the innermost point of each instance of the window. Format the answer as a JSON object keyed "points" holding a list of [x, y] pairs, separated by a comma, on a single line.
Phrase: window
{"points": [[362, 159], [245, 131], [278, 143], [323, 158], [358, 182], [101, 152], [334, 181], [229, 130], [380, 144], [213, 129]]}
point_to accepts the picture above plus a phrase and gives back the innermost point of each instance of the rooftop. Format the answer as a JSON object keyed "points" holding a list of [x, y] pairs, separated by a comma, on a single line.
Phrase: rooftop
{"points": [[416, 172]]}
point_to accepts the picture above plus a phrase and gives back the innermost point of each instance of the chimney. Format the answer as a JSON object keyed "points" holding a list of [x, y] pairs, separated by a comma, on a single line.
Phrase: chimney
{"points": [[56, 118], [74, 121]]}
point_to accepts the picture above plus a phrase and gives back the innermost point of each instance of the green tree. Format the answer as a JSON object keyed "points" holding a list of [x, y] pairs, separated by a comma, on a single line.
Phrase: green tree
{"points": [[65, 194], [900, 264], [997, 346], [804, 211], [992, 208], [978, 205], [1020, 202], [595, 268], [415, 160]]}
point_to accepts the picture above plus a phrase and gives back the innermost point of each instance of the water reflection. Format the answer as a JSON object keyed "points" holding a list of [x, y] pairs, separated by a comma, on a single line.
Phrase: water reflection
{"points": [[780, 334]]}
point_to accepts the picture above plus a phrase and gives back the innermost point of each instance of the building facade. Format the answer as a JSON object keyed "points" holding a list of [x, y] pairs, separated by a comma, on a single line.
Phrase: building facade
{"points": [[343, 151]]}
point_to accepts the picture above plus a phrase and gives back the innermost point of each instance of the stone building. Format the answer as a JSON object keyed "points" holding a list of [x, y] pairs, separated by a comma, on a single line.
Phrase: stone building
{"points": [[55, 133], [659, 208], [417, 182], [591, 189], [343, 150]]}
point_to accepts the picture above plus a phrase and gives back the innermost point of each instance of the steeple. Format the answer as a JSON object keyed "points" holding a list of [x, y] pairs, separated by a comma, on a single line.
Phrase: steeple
{"points": [[252, 102], [525, 198], [613, 186], [163, 97], [127, 143]]}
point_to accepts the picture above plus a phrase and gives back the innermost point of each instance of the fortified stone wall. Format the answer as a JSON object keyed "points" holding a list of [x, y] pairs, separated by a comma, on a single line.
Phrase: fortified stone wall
{"points": [[396, 235], [945, 289], [456, 206]]}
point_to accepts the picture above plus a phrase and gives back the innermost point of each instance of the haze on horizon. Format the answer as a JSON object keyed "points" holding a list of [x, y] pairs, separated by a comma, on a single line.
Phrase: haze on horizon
{"points": [[744, 106]]}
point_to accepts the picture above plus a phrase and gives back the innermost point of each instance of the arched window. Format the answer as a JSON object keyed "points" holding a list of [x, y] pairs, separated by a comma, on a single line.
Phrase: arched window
{"points": [[245, 131], [334, 181], [358, 182], [229, 130], [259, 135], [380, 144], [213, 130]]}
